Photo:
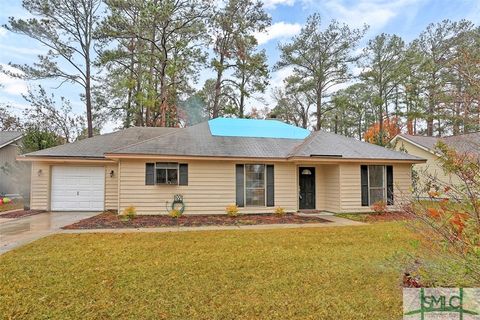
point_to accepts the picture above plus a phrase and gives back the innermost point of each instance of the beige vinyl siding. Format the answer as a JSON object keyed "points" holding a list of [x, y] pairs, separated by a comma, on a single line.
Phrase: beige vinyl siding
{"points": [[327, 187], [211, 188], [286, 187], [111, 187], [350, 196], [7, 157], [40, 186], [430, 168]]}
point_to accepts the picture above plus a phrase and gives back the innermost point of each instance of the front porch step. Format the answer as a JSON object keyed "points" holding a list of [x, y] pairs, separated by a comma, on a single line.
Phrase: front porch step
{"points": [[310, 211]]}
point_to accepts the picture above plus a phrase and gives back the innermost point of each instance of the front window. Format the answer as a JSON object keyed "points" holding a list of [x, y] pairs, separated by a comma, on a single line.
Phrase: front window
{"points": [[376, 184], [255, 185], [166, 173]]}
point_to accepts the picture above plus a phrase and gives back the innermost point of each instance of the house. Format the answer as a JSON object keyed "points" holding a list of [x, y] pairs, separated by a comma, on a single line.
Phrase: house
{"points": [[9, 149], [257, 164], [424, 147]]}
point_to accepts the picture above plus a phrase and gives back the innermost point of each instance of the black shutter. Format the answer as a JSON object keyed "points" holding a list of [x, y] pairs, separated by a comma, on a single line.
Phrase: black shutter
{"points": [[240, 185], [149, 173], [389, 185], [183, 174], [270, 186], [364, 183]]}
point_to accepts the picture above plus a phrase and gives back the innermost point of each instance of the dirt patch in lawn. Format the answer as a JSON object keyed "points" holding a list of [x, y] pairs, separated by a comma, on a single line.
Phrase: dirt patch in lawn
{"points": [[110, 220], [20, 214]]}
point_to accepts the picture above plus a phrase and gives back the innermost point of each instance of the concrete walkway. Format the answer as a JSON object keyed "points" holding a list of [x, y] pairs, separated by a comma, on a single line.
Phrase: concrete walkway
{"points": [[333, 222], [19, 231]]}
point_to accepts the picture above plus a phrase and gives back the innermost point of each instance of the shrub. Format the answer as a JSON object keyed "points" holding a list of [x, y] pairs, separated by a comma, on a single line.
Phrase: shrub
{"points": [[232, 210], [174, 213], [450, 221], [379, 207], [279, 211], [129, 213]]}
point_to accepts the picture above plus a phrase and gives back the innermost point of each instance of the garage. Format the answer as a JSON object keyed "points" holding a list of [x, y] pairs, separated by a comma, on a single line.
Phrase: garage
{"points": [[77, 188]]}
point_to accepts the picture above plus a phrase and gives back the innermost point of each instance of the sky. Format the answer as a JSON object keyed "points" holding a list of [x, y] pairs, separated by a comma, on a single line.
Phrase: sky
{"points": [[406, 18]]}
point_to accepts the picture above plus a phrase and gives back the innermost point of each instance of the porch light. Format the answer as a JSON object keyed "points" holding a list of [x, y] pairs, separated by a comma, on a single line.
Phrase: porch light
{"points": [[112, 173], [306, 172], [39, 172]]}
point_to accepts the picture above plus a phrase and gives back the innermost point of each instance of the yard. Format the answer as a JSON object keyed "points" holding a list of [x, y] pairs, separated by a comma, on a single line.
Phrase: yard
{"points": [[324, 273]]}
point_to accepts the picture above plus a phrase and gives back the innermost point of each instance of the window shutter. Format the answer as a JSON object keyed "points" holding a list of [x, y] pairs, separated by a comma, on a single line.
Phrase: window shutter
{"points": [[183, 174], [149, 173], [364, 183], [270, 186], [240, 185], [389, 185]]}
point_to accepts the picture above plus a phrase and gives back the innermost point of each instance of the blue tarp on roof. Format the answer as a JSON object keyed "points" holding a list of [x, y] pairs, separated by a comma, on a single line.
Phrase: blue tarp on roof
{"points": [[230, 127]]}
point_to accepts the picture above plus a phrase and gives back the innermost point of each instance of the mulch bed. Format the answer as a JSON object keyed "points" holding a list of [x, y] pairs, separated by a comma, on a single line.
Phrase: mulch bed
{"points": [[110, 220], [386, 217], [20, 214]]}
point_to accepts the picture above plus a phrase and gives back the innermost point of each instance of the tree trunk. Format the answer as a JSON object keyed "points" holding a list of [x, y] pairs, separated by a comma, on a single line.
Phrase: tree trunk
{"points": [[241, 107], [319, 110], [218, 89], [88, 97]]}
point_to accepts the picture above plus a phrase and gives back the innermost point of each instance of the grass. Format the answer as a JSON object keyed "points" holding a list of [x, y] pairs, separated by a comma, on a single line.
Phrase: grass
{"points": [[362, 217], [311, 273]]}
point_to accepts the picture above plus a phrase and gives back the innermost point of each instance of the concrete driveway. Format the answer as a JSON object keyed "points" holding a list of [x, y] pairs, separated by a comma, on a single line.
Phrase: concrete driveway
{"points": [[17, 232]]}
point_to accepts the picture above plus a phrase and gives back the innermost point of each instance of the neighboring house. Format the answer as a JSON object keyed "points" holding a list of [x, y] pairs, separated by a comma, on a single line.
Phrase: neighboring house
{"points": [[257, 164], [9, 149], [424, 147]]}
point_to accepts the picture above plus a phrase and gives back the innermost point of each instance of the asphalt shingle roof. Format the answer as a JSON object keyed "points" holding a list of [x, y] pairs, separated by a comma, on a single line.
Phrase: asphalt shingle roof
{"points": [[326, 144], [6, 137], [97, 146], [198, 141]]}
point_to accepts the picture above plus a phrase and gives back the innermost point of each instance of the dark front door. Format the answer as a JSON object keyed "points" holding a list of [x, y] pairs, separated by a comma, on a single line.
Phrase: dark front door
{"points": [[307, 187]]}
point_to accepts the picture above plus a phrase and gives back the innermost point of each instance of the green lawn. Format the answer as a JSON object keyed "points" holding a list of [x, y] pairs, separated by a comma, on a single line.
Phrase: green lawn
{"points": [[321, 273]]}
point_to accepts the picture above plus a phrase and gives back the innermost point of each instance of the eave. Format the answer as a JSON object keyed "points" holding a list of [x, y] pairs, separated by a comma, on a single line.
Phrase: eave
{"points": [[59, 159]]}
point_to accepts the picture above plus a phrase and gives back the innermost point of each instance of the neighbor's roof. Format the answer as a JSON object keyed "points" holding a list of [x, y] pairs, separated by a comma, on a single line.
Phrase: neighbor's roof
{"points": [[7, 137], [97, 146], [469, 142], [246, 138]]}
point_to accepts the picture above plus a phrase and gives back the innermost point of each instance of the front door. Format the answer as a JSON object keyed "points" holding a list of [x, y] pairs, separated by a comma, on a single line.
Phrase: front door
{"points": [[307, 187]]}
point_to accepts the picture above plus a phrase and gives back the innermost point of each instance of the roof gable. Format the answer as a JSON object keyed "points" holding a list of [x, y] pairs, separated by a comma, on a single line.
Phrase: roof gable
{"points": [[327, 144]]}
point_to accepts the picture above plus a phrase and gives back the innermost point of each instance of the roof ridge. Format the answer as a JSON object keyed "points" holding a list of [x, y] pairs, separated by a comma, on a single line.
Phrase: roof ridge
{"points": [[304, 142]]}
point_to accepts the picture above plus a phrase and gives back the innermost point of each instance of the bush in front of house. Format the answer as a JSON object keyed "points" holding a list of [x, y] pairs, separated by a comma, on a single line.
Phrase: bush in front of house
{"points": [[379, 207], [232, 210], [175, 214], [129, 213], [279, 211]]}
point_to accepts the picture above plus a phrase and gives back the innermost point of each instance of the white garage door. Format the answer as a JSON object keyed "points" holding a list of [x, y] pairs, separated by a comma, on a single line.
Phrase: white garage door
{"points": [[77, 188]]}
